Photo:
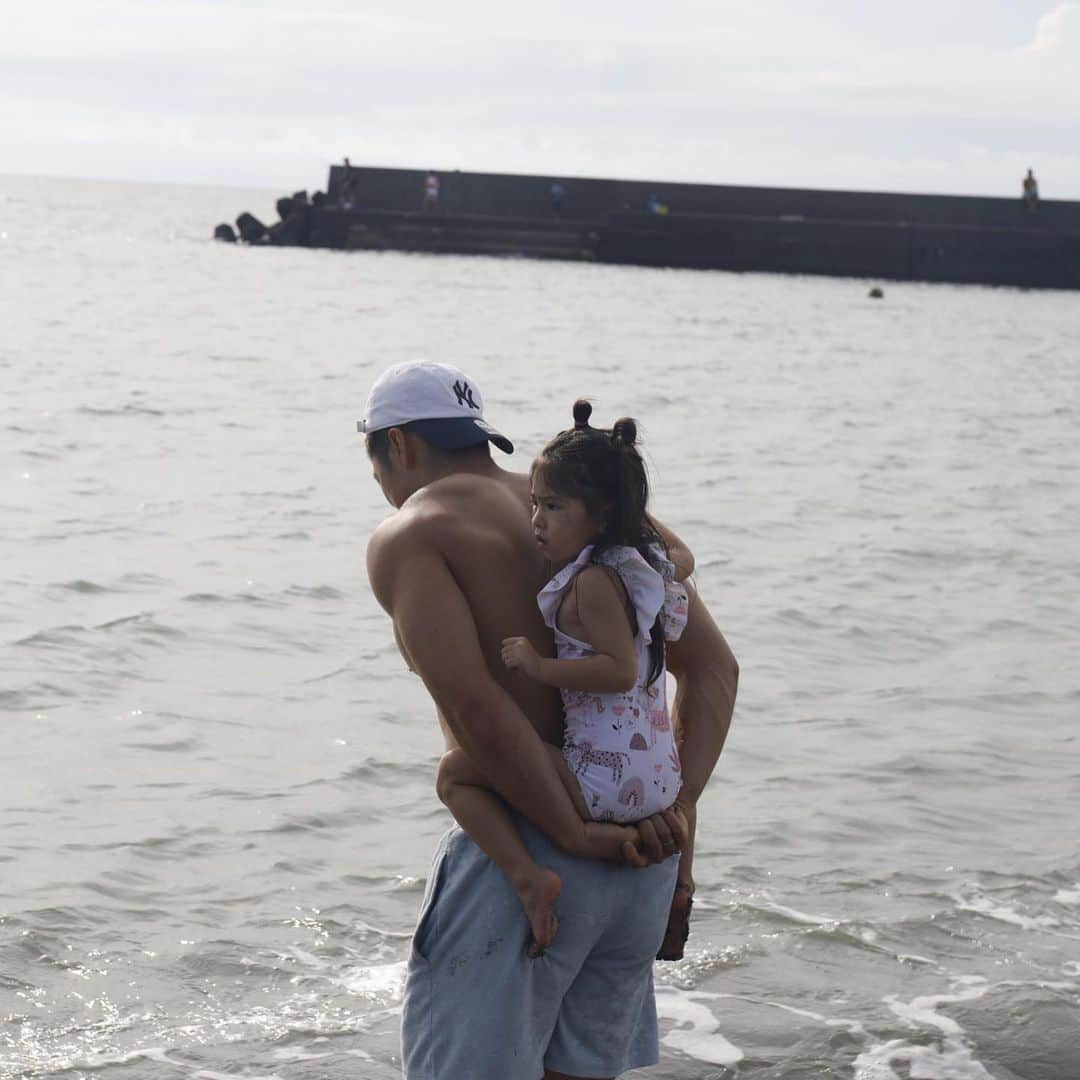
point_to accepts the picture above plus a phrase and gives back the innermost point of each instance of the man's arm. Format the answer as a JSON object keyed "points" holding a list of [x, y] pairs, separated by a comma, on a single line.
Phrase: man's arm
{"points": [[707, 677], [436, 629], [678, 552]]}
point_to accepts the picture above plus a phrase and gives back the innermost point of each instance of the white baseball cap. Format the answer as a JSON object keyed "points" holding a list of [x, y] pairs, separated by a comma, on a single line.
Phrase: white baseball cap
{"points": [[439, 402]]}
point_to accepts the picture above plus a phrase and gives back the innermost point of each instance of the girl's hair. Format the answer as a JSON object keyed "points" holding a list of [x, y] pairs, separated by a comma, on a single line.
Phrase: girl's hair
{"points": [[604, 469]]}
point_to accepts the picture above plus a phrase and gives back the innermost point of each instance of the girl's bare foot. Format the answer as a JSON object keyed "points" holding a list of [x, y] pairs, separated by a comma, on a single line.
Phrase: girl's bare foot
{"points": [[678, 927], [538, 893]]}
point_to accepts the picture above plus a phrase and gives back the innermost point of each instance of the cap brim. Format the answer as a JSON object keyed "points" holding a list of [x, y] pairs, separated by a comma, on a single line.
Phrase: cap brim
{"points": [[455, 433]]}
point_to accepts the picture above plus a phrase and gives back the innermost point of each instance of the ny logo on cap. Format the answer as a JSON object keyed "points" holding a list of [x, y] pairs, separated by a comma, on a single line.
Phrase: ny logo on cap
{"points": [[464, 394]]}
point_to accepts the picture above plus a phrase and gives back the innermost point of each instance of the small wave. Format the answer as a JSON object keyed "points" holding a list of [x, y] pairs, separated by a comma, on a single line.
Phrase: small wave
{"points": [[382, 983], [34, 698], [1068, 896], [175, 746], [983, 905], [376, 770], [949, 1056], [150, 581], [313, 822], [698, 1032], [315, 592], [145, 624], [697, 965], [952, 1060], [54, 637], [125, 410], [81, 585], [329, 675]]}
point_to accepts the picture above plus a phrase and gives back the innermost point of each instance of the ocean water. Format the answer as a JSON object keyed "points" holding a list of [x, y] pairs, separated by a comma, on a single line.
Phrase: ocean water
{"points": [[216, 778]]}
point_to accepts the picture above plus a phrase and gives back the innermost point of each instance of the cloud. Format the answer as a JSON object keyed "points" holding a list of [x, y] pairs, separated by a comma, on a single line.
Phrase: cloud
{"points": [[1056, 30], [922, 96]]}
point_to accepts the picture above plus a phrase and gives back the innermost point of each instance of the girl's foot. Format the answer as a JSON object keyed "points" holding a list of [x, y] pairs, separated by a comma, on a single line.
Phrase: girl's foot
{"points": [[538, 893], [678, 927]]}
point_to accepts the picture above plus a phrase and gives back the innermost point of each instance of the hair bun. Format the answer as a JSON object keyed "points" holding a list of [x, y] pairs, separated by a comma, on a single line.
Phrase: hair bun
{"points": [[624, 431], [582, 412]]}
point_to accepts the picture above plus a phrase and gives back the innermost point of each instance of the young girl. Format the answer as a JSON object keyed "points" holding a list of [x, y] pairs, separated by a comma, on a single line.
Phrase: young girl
{"points": [[611, 603]]}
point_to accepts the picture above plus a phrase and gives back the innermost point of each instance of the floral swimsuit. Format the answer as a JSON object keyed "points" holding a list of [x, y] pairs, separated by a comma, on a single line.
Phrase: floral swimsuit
{"points": [[620, 746]]}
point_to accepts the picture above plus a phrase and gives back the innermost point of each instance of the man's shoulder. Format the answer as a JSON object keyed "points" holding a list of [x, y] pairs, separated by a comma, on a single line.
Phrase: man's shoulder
{"points": [[404, 529], [442, 516], [405, 540], [425, 518]]}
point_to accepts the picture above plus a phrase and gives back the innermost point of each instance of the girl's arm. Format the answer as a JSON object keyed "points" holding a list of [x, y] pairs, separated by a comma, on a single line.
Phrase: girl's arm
{"points": [[602, 613], [678, 552]]}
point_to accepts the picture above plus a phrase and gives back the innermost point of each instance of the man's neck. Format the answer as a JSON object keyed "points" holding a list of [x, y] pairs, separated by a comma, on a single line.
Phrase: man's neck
{"points": [[478, 463]]}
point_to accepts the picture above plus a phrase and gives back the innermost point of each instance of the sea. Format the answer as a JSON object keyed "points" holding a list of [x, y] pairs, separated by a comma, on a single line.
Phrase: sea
{"points": [[217, 806]]}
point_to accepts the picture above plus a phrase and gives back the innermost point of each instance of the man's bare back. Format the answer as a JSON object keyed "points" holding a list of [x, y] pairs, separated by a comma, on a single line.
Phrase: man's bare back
{"points": [[481, 527]]}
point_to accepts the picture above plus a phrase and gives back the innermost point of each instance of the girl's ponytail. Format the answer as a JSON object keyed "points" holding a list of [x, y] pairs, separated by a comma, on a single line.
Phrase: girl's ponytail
{"points": [[624, 432]]}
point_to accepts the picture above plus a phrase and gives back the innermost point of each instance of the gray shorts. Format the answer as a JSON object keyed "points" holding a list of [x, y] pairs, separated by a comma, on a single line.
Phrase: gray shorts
{"points": [[477, 1008]]}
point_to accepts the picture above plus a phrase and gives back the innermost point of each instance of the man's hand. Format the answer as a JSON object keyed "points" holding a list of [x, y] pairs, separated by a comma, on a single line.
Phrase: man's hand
{"points": [[659, 837], [519, 655]]}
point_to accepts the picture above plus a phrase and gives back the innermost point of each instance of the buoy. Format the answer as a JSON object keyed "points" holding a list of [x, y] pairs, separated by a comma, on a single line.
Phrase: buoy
{"points": [[876, 293]]}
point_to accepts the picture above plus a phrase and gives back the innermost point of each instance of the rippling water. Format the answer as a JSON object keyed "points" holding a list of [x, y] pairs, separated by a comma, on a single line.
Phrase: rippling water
{"points": [[216, 802]]}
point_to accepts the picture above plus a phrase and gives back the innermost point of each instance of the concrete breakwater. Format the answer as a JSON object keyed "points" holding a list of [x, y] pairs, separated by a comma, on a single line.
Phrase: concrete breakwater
{"points": [[935, 238]]}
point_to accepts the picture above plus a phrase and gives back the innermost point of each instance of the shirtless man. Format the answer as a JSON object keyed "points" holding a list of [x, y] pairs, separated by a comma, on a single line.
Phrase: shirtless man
{"points": [[458, 570]]}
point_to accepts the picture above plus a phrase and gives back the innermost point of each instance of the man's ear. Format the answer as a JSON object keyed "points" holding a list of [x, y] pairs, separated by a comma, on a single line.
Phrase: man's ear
{"points": [[402, 451]]}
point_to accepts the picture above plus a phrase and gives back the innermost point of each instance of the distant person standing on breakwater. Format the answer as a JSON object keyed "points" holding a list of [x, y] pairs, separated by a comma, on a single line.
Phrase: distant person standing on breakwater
{"points": [[431, 191], [1031, 191], [458, 570], [346, 195]]}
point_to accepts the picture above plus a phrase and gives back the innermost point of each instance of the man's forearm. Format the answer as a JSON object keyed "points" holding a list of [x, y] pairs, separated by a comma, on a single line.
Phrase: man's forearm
{"points": [[505, 747], [702, 717]]}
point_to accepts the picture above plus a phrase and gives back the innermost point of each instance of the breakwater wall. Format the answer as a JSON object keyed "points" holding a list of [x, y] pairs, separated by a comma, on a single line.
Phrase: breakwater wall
{"points": [[937, 238]]}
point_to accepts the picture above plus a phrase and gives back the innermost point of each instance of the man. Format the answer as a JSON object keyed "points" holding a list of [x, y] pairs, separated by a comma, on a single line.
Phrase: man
{"points": [[1031, 191], [458, 570]]}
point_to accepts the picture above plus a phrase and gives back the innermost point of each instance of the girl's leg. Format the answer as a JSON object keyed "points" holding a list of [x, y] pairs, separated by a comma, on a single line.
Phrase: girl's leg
{"points": [[606, 840], [483, 815], [678, 927], [569, 781]]}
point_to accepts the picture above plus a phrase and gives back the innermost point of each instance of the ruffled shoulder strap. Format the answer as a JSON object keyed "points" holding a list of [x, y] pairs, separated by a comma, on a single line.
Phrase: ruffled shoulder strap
{"points": [[550, 597], [676, 606], [644, 585]]}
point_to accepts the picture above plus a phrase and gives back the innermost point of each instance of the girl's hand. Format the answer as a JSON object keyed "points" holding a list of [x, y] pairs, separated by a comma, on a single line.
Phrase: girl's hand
{"points": [[519, 655]]}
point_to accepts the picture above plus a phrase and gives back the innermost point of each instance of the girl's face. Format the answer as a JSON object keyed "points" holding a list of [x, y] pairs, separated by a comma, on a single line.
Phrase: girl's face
{"points": [[561, 524]]}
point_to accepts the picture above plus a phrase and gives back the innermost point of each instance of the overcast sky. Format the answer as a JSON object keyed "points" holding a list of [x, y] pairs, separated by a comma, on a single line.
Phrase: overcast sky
{"points": [[955, 96]]}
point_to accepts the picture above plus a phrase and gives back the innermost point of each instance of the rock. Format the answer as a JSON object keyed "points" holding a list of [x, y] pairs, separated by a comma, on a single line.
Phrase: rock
{"points": [[876, 294], [251, 229], [284, 207], [292, 231], [225, 232]]}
